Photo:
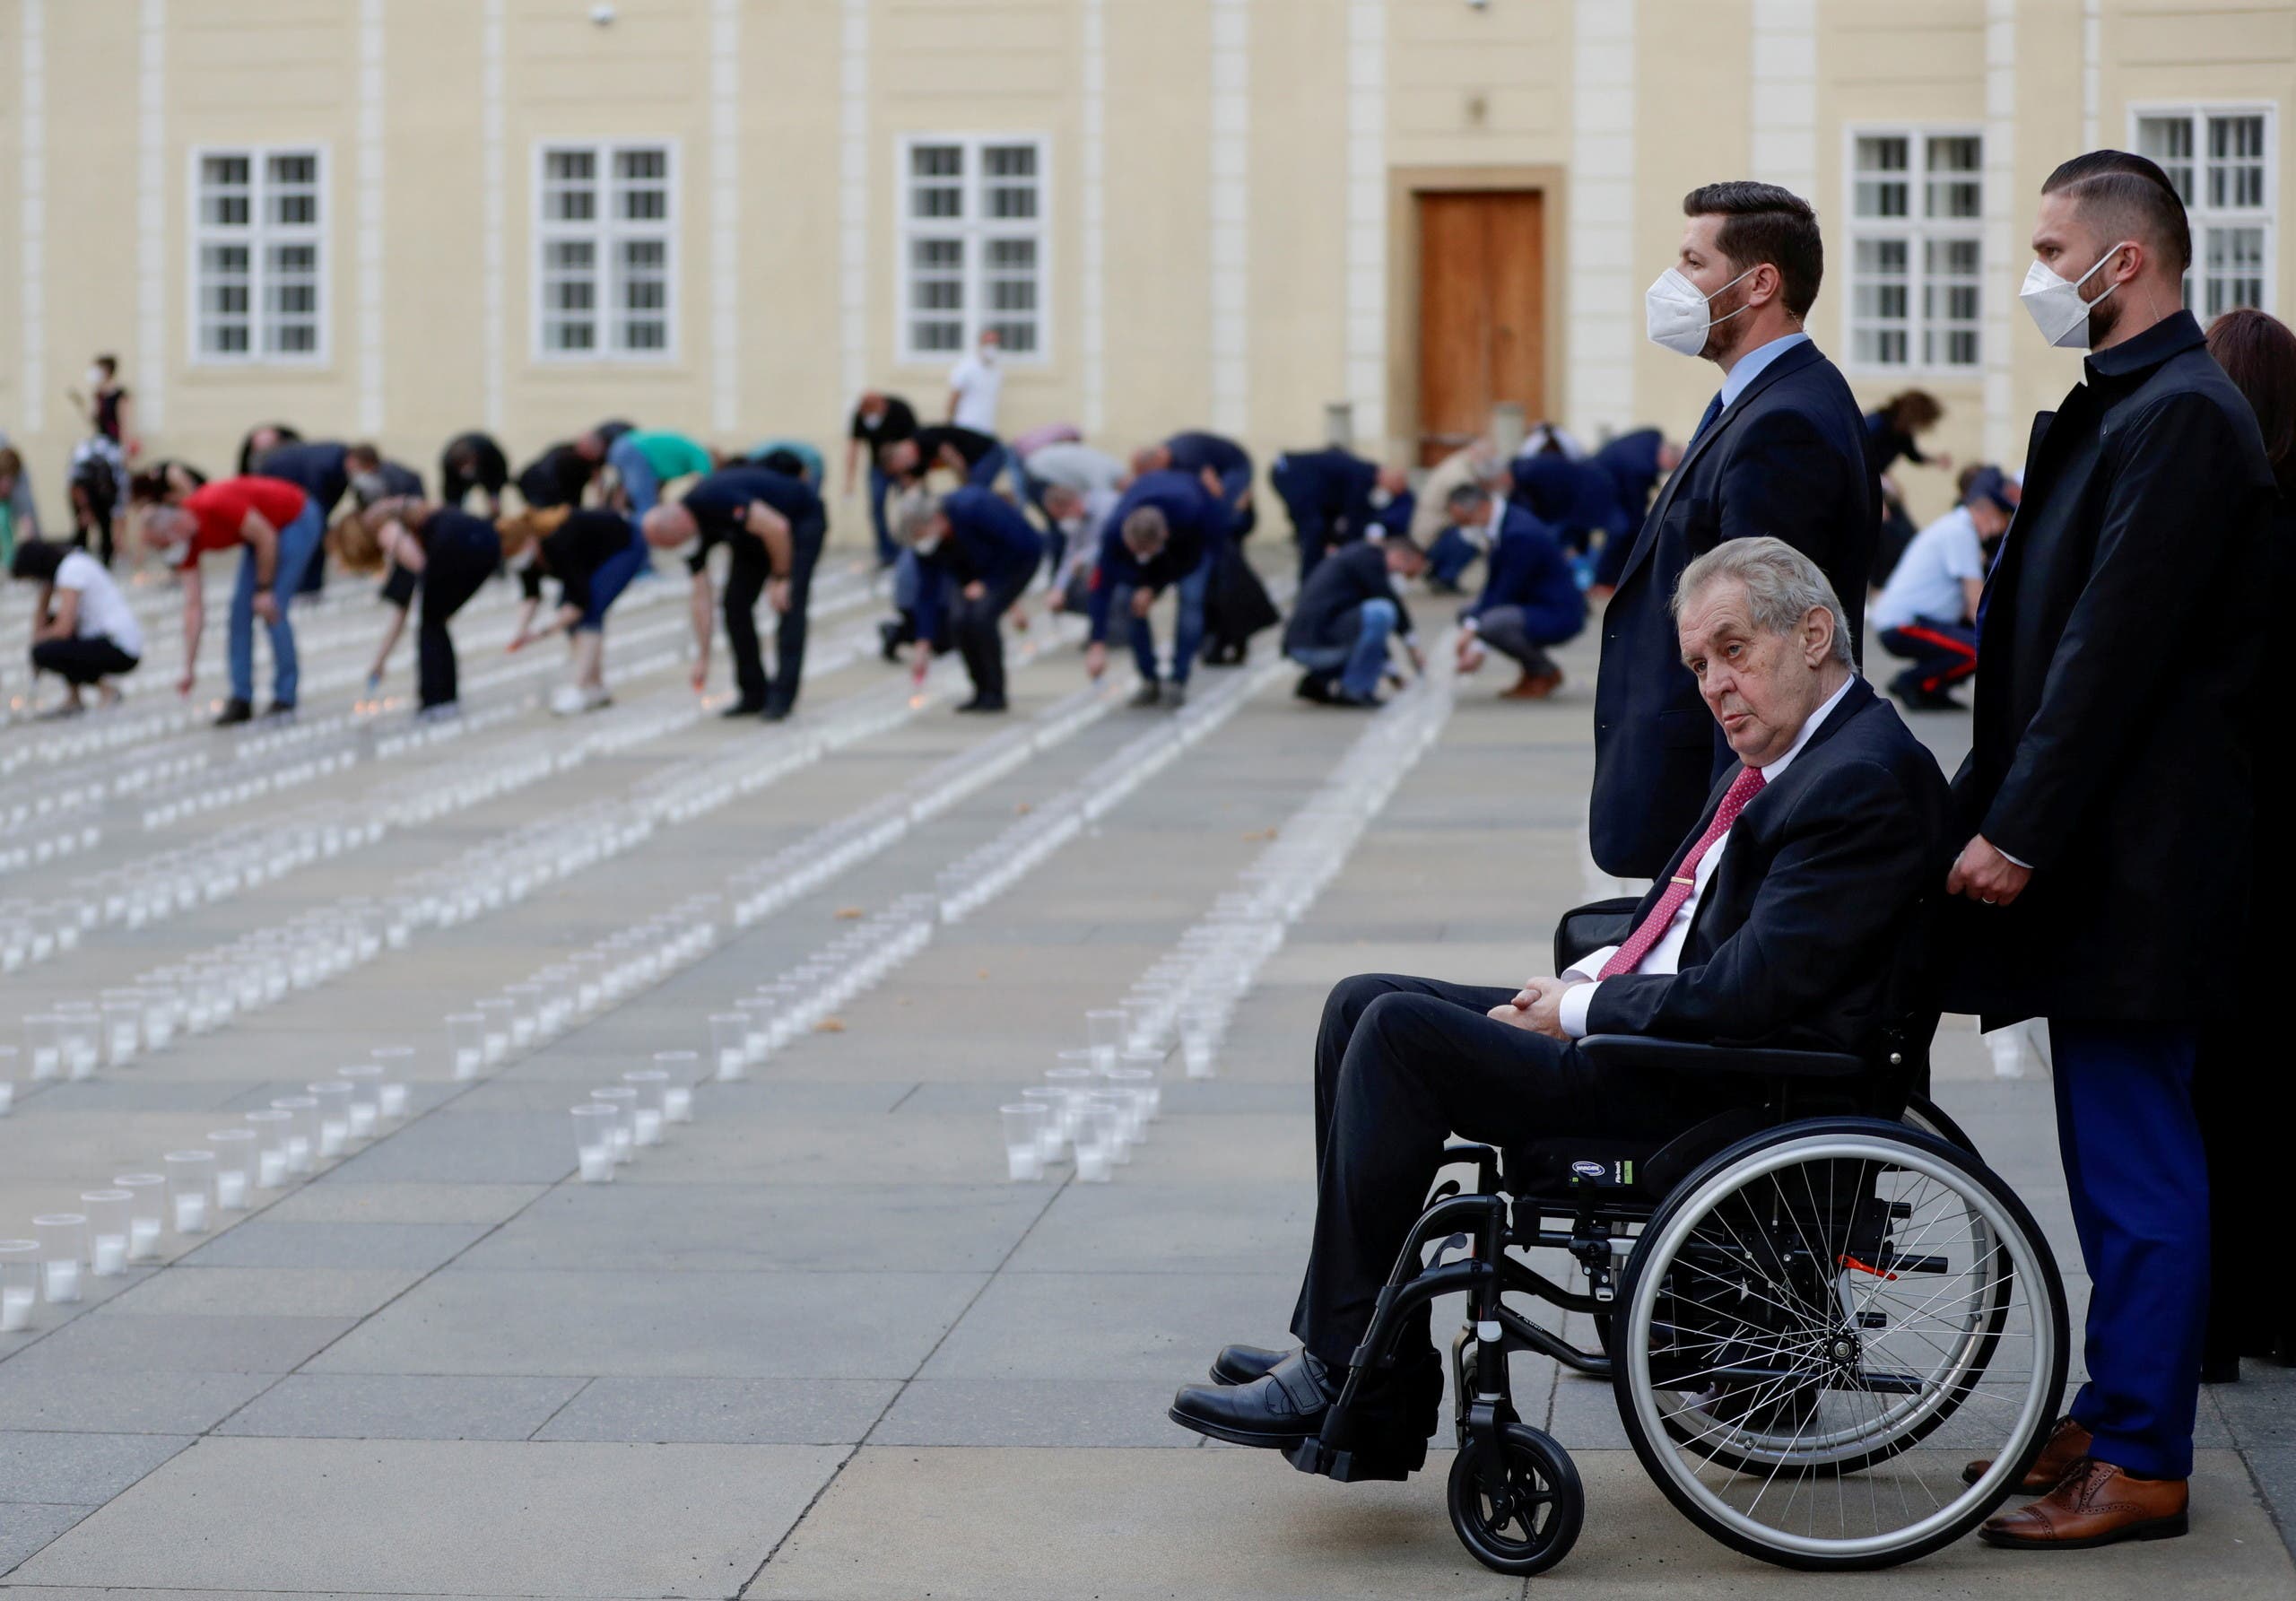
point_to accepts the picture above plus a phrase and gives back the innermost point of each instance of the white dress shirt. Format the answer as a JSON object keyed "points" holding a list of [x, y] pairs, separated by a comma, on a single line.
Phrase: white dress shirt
{"points": [[1748, 367], [1666, 955], [977, 381]]}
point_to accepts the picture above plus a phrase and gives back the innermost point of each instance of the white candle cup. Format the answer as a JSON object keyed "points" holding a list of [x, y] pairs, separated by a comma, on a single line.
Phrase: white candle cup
{"points": [[498, 1014], [1052, 1129], [467, 1043], [623, 1100], [302, 1138], [729, 1044], [677, 1104], [147, 1207], [108, 1254], [43, 1046], [680, 1068], [7, 1096], [64, 1248], [19, 1284], [366, 1082], [647, 1117], [593, 1127], [271, 1127], [235, 1161], [191, 1189], [334, 1098], [108, 1211], [1024, 1140]]}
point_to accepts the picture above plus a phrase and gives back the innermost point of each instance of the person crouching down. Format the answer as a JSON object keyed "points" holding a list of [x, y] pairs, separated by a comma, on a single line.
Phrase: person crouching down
{"points": [[1529, 599], [1344, 616], [83, 630], [976, 552], [1774, 923]]}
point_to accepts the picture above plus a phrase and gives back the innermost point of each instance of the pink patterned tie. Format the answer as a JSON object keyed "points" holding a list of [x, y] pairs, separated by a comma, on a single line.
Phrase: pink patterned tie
{"points": [[1629, 956]]}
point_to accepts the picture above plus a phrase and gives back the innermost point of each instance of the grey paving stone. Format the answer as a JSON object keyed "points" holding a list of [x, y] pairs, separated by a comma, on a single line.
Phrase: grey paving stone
{"points": [[827, 1148], [475, 1148], [1111, 1326], [27, 1526], [2274, 1470], [78, 1469], [109, 1341], [2260, 1410], [120, 1403], [724, 1410], [337, 1200], [1034, 1412], [430, 1517], [919, 1228], [402, 1407], [640, 1324], [266, 1291], [261, 1242], [1238, 1226]]}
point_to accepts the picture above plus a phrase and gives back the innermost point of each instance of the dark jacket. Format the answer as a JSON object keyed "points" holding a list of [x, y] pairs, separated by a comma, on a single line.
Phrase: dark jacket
{"points": [[573, 552], [1199, 525], [1526, 567], [1327, 493], [1788, 459], [488, 468], [557, 477], [2122, 632], [1194, 452], [1794, 943], [1631, 461], [719, 503], [1323, 616], [316, 469], [989, 540]]}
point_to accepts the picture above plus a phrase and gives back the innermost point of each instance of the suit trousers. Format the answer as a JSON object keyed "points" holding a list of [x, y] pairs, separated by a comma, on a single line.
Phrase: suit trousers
{"points": [[452, 571], [2138, 1174], [973, 624], [1401, 1065], [806, 540]]}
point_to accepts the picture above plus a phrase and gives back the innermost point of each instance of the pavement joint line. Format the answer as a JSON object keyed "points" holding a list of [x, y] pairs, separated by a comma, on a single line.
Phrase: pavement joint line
{"points": [[581, 1390]]}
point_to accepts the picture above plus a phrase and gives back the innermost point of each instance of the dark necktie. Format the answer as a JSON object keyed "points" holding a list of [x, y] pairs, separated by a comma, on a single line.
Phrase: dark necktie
{"points": [[1629, 956], [1713, 410]]}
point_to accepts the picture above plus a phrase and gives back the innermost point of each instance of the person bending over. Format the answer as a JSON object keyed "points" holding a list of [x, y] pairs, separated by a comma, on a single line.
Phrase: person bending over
{"points": [[976, 552], [1165, 533], [278, 528], [1774, 923], [594, 553], [772, 526], [1529, 599], [83, 630], [445, 551], [1344, 618]]}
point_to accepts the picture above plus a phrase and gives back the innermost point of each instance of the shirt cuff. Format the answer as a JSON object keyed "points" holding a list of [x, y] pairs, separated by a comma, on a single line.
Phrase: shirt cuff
{"points": [[1590, 967], [1573, 1010], [2005, 857]]}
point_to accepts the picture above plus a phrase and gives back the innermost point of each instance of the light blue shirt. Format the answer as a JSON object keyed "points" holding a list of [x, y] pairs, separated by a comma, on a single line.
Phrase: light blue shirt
{"points": [[1750, 365]]}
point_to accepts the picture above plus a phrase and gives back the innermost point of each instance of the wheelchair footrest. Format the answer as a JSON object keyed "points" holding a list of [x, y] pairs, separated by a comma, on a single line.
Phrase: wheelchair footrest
{"points": [[1396, 1461]]}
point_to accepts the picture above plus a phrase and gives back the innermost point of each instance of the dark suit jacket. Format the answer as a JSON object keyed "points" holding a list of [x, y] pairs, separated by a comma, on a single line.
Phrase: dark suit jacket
{"points": [[2122, 630], [1796, 940], [1788, 458], [1324, 613]]}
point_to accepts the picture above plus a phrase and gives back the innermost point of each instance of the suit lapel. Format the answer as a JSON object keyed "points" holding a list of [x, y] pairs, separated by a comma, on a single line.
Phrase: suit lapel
{"points": [[1793, 360]]}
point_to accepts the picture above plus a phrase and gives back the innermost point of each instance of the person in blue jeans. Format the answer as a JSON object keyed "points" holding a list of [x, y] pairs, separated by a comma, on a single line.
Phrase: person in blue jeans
{"points": [[279, 528], [1343, 620], [1166, 532], [594, 553], [646, 459], [975, 553], [1530, 597]]}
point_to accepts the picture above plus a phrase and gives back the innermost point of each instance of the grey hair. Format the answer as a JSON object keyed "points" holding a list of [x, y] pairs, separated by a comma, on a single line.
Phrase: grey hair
{"points": [[914, 514], [1781, 584]]}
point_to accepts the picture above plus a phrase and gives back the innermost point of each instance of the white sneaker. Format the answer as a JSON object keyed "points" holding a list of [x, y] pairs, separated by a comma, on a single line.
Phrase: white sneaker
{"points": [[567, 699], [595, 699]]}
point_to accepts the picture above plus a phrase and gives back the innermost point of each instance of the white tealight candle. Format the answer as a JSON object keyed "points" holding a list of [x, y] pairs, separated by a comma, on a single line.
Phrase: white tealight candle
{"points": [[191, 1213], [298, 1154], [110, 1252], [597, 1164], [647, 1124], [271, 1168], [363, 1120], [392, 1101], [7, 1098], [729, 1064], [85, 1062], [143, 1239], [47, 1061], [16, 1308], [1022, 1164], [623, 1146], [467, 1058], [522, 1030], [62, 1280], [498, 1046], [1093, 1164], [677, 1105], [332, 1133], [231, 1191]]}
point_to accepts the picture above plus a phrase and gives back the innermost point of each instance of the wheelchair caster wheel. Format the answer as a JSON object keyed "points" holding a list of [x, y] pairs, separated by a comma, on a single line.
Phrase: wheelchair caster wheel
{"points": [[1522, 1516]]}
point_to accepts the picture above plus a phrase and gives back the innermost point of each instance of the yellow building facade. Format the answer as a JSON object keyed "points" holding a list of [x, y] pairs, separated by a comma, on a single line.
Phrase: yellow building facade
{"points": [[397, 219]]}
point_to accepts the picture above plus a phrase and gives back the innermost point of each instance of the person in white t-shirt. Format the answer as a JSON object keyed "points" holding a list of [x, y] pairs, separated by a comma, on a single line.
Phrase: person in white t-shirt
{"points": [[1928, 612], [83, 630], [975, 385]]}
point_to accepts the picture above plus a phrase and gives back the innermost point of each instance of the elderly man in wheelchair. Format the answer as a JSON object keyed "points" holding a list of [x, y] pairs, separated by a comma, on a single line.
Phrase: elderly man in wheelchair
{"points": [[1807, 1290]]}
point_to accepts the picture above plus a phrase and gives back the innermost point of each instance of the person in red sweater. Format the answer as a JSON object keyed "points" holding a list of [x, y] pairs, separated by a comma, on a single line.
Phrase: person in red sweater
{"points": [[278, 527]]}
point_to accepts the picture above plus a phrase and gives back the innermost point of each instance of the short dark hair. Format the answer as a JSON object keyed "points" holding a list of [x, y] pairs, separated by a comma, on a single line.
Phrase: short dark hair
{"points": [[2259, 352], [37, 559], [2129, 190], [1764, 222], [109, 363], [1465, 495]]}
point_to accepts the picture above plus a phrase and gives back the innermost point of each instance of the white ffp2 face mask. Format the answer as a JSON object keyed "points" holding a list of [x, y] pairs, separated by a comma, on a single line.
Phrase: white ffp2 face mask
{"points": [[1674, 312], [2055, 304]]}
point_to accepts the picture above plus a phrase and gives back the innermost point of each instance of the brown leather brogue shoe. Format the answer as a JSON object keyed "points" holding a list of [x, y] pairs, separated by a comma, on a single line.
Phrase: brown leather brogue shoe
{"points": [[2095, 1504], [2068, 1443], [1533, 686]]}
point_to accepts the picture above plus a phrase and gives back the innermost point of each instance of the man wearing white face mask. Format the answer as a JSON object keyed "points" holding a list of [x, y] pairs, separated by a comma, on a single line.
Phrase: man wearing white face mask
{"points": [[1780, 451], [2107, 806]]}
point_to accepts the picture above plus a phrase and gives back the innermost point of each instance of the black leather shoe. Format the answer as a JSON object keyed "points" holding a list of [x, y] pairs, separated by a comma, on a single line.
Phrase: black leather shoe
{"points": [[984, 703], [1149, 694], [744, 709], [1314, 687], [235, 712], [776, 711], [1287, 1403], [278, 710], [1241, 1364]]}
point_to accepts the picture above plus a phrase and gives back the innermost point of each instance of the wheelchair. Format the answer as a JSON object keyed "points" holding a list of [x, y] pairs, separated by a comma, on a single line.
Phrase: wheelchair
{"points": [[1812, 1310]]}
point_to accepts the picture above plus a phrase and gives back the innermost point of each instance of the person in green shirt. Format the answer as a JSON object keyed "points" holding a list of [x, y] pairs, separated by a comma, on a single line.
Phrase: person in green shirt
{"points": [[645, 460], [809, 461]]}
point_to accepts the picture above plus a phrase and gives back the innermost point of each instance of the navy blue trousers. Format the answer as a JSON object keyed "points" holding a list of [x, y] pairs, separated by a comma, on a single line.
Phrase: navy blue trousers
{"points": [[2139, 1183]]}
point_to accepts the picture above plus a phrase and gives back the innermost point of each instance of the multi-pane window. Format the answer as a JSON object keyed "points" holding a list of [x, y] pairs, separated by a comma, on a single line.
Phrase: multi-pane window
{"points": [[2220, 161], [1916, 205], [605, 279], [972, 251], [258, 241]]}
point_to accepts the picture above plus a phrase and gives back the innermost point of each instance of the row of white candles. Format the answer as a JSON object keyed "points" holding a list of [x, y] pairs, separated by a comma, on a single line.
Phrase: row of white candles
{"points": [[1097, 1101]]}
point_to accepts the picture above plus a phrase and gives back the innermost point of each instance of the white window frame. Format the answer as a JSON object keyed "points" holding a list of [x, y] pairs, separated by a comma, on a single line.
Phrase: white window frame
{"points": [[1916, 229], [258, 236], [608, 233], [974, 229], [2204, 216]]}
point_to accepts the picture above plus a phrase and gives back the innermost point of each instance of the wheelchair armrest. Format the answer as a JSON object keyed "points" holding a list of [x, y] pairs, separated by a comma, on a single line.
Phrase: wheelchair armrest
{"points": [[1684, 1055], [1591, 927]]}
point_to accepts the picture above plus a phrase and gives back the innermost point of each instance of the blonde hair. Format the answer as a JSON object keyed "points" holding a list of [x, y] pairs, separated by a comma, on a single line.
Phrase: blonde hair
{"points": [[356, 545], [519, 529]]}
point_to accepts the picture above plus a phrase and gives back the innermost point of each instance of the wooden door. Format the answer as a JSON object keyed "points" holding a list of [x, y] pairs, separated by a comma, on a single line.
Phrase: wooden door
{"points": [[1481, 313]]}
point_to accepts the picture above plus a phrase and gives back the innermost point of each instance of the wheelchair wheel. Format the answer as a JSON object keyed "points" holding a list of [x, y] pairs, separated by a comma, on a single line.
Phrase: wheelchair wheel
{"points": [[1928, 1116], [1523, 1516], [1802, 1315]]}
